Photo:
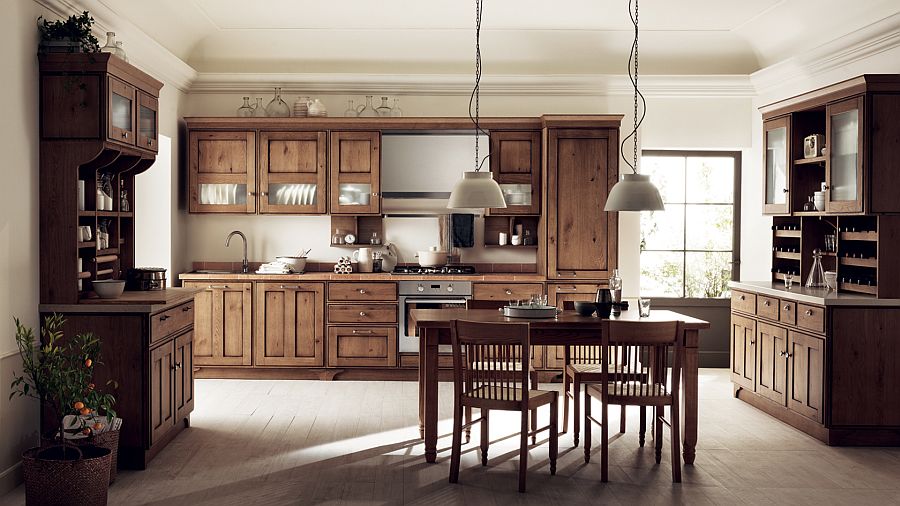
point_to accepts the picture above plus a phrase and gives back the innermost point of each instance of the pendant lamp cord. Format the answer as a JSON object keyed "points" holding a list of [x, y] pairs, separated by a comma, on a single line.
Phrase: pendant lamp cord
{"points": [[638, 96], [474, 97]]}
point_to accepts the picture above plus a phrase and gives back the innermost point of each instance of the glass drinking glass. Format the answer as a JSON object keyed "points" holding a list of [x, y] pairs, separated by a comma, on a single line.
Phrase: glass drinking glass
{"points": [[644, 306], [788, 280]]}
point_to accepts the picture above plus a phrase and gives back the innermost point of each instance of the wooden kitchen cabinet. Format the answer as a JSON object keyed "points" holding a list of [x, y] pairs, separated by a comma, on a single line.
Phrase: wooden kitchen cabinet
{"points": [[362, 346], [516, 166], [162, 390], [504, 292], [184, 375], [222, 171], [743, 352], [147, 121], [805, 357], [844, 122], [557, 295], [777, 163], [121, 106], [771, 365], [582, 167], [292, 172], [223, 315], [355, 173], [290, 324]]}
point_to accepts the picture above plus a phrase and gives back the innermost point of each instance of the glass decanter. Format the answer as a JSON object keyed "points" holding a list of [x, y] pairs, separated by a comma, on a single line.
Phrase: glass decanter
{"points": [[124, 206], [351, 111], [810, 205], [110, 46], [816, 276], [246, 110], [120, 51], [258, 110], [615, 286], [367, 111], [396, 111], [277, 107], [383, 110]]}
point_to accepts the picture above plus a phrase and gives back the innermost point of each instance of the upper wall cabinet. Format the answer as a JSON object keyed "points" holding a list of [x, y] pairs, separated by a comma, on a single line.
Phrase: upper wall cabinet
{"points": [[582, 238], [222, 171], [292, 172], [842, 137], [355, 173], [516, 166]]}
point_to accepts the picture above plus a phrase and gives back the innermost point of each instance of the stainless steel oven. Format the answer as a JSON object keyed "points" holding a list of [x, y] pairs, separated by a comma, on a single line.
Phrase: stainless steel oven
{"points": [[427, 295]]}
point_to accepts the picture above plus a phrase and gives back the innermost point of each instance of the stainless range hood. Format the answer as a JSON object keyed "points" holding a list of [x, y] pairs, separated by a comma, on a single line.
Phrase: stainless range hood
{"points": [[419, 170]]}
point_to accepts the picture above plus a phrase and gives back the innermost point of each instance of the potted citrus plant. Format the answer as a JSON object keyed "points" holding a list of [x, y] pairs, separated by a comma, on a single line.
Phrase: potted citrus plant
{"points": [[59, 373]]}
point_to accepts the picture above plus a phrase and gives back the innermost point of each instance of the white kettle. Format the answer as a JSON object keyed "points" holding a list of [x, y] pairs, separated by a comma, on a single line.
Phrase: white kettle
{"points": [[363, 258]]}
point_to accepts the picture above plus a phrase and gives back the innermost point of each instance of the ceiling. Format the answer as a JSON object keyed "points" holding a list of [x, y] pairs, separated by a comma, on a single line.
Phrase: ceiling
{"points": [[519, 37]]}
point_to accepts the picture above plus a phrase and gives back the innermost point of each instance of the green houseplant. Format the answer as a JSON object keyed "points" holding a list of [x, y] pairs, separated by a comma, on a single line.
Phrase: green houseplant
{"points": [[72, 35], [59, 373]]}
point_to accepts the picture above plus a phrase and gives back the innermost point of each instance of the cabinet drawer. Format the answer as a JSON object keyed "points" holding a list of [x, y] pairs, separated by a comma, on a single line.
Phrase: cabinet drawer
{"points": [[362, 313], [506, 291], [362, 292], [811, 317], [168, 322], [767, 307], [362, 347], [788, 312], [743, 301]]}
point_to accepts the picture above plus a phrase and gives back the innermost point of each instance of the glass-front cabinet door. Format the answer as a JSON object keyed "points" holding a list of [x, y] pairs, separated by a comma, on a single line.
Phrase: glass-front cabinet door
{"points": [[844, 163], [222, 173], [121, 100], [292, 172], [776, 160], [148, 120], [516, 166], [355, 159]]}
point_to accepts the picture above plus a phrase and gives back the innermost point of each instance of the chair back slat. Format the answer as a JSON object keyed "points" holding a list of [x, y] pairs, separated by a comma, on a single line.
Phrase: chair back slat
{"points": [[489, 358], [638, 364]]}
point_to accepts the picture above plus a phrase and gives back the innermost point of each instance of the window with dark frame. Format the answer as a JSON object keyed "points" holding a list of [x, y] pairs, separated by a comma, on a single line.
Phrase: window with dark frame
{"points": [[691, 250]]}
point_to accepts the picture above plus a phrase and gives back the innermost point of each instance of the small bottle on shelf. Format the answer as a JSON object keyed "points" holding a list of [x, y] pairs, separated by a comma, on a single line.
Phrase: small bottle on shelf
{"points": [[338, 237]]}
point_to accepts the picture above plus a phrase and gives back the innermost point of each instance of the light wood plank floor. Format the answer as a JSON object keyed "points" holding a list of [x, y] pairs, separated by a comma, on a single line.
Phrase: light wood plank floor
{"points": [[355, 443]]}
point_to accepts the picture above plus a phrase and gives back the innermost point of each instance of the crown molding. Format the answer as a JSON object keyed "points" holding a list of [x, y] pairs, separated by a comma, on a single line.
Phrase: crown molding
{"points": [[459, 84], [838, 54], [143, 51]]}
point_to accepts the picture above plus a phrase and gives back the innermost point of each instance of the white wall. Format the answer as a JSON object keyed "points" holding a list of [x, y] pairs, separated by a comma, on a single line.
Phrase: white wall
{"points": [[677, 123], [18, 223]]}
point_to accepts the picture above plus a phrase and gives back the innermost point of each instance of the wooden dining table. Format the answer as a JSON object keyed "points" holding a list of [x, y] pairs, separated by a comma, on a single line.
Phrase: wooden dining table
{"points": [[567, 329]]}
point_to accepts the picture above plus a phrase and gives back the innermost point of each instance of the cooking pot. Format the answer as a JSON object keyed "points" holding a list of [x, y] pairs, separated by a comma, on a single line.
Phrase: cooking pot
{"points": [[146, 278], [432, 257]]}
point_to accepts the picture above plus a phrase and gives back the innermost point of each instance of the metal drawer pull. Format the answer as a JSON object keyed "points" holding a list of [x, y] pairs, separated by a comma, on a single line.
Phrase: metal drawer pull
{"points": [[176, 366], [125, 134], [564, 289], [809, 312], [508, 292], [362, 292], [787, 307], [362, 313], [218, 287], [163, 318], [753, 341], [285, 287], [782, 354], [767, 303], [186, 308], [362, 331]]}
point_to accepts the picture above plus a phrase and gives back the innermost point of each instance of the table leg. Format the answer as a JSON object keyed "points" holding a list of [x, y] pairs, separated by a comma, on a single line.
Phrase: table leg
{"points": [[422, 387], [430, 392], [690, 394]]}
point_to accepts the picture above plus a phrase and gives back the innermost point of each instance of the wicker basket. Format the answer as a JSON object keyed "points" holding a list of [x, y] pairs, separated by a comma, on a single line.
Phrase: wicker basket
{"points": [[65, 482], [108, 440]]}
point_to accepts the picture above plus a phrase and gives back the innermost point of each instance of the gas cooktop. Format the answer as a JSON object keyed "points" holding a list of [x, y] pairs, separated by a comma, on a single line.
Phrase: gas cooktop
{"points": [[447, 270]]}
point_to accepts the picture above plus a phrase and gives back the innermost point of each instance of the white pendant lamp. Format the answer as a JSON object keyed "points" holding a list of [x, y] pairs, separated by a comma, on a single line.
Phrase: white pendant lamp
{"points": [[476, 189], [634, 192]]}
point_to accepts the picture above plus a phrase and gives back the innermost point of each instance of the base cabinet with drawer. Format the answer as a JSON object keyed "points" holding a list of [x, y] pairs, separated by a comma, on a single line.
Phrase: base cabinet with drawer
{"points": [[148, 350], [222, 323], [290, 323], [828, 370], [362, 324]]}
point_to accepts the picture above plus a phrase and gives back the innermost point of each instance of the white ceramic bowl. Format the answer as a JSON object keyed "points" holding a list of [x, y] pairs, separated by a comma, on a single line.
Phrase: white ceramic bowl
{"points": [[432, 258], [109, 288], [297, 263]]}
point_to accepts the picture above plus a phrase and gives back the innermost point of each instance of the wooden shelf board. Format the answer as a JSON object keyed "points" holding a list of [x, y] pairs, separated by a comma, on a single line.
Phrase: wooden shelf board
{"points": [[84, 275], [104, 272], [860, 262], [853, 287], [810, 213], [510, 246], [808, 161], [788, 233], [787, 255], [108, 251], [87, 214], [107, 214], [87, 244], [859, 236]]}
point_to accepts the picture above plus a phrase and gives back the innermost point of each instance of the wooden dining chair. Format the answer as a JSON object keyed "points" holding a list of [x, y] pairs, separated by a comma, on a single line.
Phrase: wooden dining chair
{"points": [[582, 367], [484, 377], [533, 375], [623, 384]]}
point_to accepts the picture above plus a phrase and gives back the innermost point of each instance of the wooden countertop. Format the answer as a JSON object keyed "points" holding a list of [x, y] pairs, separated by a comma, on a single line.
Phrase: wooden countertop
{"points": [[383, 276], [819, 296], [150, 301]]}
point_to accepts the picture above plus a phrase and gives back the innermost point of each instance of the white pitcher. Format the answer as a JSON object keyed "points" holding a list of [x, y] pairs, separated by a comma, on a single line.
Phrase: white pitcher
{"points": [[363, 258]]}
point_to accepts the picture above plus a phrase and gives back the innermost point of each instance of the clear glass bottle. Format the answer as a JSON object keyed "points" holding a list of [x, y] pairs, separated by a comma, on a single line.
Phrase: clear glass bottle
{"points": [[110, 46], [246, 110], [351, 111], [277, 107], [816, 276], [338, 237], [810, 205], [120, 51], [124, 206], [384, 110], [396, 111], [258, 110], [615, 287], [368, 111]]}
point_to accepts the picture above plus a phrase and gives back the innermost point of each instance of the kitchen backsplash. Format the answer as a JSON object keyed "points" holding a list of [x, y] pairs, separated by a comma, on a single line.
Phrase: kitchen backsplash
{"points": [[271, 236]]}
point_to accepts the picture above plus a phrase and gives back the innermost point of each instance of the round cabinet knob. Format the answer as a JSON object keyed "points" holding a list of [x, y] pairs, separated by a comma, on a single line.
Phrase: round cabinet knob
{"points": [[450, 288], [785, 190], [809, 312], [508, 291], [362, 313], [787, 307], [741, 297], [420, 288], [767, 303], [362, 292]]}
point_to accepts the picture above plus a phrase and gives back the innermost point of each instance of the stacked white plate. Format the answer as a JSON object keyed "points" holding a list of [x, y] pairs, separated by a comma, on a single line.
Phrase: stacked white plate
{"points": [[296, 195]]}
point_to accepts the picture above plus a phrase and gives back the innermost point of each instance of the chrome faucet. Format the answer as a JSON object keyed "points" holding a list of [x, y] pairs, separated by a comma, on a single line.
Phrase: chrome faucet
{"points": [[245, 266]]}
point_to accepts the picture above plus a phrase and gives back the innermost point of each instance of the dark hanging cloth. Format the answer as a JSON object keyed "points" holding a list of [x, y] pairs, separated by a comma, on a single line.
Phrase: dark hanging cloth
{"points": [[463, 230]]}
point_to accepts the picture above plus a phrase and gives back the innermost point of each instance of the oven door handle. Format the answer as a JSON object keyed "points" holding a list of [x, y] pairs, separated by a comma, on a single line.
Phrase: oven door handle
{"points": [[435, 301]]}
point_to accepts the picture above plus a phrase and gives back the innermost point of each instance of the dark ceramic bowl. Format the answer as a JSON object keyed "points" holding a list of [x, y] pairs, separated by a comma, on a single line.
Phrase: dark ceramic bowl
{"points": [[585, 308]]}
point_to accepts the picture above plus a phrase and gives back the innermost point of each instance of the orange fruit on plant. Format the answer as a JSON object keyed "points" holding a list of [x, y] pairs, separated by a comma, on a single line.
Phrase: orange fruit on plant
{"points": [[78, 405], [86, 431], [90, 386], [88, 362], [85, 411], [97, 426]]}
